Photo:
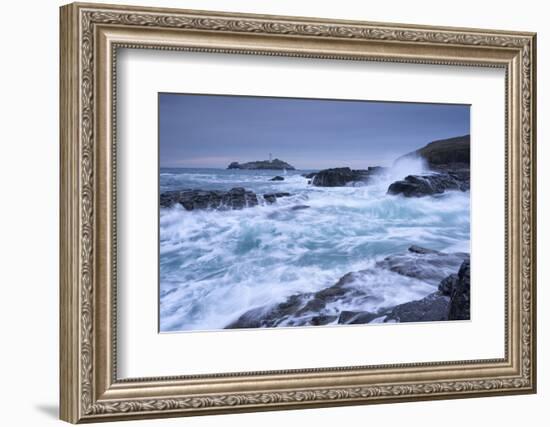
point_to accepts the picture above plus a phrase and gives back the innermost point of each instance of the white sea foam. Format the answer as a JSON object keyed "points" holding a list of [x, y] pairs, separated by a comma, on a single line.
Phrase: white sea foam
{"points": [[216, 265]]}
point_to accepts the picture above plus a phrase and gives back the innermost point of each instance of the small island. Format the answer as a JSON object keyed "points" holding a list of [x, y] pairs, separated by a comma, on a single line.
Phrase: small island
{"points": [[274, 164]]}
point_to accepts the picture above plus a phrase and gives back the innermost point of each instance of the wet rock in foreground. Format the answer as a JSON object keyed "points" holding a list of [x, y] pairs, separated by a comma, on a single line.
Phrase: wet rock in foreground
{"points": [[268, 316], [433, 308], [424, 264], [450, 302], [420, 250], [327, 306], [448, 284], [460, 294], [356, 317]]}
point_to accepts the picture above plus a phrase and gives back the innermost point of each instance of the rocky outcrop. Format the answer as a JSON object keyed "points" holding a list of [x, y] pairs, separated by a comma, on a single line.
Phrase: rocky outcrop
{"points": [[356, 317], [267, 316], [423, 251], [433, 308], [297, 310], [339, 177], [424, 264], [448, 284], [236, 198], [444, 154], [275, 164], [272, 197], [277, 178], [336, 177], [449, 161], [318, 308], [450, 302], [430, 184], [459, 308]]}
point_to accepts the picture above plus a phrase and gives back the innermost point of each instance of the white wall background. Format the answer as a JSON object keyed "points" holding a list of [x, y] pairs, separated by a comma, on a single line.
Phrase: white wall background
{"points": [[29, 170]]}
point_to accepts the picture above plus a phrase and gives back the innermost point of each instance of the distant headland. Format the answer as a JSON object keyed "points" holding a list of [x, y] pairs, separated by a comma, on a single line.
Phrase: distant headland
{"points": [[275, 164]]}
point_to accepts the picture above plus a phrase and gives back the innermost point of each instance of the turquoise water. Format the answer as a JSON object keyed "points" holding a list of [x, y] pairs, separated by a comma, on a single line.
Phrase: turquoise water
{"points": [[216, 265]]}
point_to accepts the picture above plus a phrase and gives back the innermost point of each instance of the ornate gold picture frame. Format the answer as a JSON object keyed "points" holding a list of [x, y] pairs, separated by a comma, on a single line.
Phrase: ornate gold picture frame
{"points": [[91, 34]]}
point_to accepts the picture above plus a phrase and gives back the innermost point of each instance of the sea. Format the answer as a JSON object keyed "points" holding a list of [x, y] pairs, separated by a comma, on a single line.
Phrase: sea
{"points": [[216, 265]]}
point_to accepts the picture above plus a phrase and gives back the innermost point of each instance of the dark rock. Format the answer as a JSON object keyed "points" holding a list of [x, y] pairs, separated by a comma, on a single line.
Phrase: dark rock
{"points": [[449, 159], [265, 317], [448, 284], [445, 154], [424, 185], [274, 164], [277, 178], [319, 300], [433, 308], [420, 250], [346, 279], [299, 309], [322, 320], [272, 197], [336, 177], [314, 305], [236, 198], [251, 319], [331, 292], [451, 152], [356, 317], [309, 181], [451, 302], [463, 178], [299, 207], [339, 177], [429, 266], [292, 311], [318, 308], [170, 198], [459, 308]]}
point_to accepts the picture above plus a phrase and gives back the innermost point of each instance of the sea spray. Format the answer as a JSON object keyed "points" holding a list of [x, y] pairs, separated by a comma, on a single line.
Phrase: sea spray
{"points": [[216, 265]]}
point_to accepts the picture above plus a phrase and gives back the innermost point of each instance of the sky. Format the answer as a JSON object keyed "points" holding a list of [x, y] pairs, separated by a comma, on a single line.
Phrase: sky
{"points": [[211, 131]]}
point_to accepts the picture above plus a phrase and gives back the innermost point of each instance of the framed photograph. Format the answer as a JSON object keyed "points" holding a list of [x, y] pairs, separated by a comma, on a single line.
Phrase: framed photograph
{"points": [[266, 212]]}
